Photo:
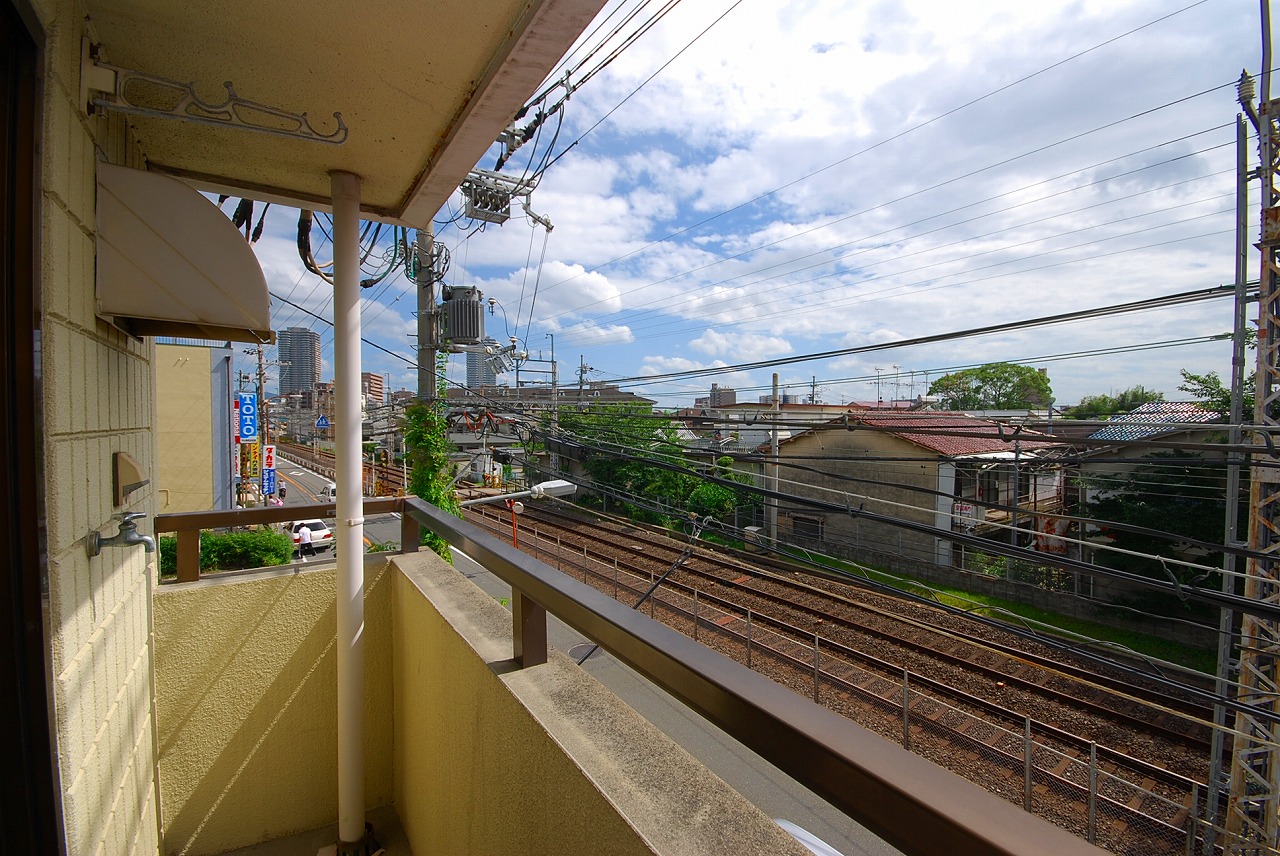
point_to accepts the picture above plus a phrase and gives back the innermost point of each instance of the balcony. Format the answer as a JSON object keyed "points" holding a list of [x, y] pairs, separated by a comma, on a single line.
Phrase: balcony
{"points": [[479, 739]]}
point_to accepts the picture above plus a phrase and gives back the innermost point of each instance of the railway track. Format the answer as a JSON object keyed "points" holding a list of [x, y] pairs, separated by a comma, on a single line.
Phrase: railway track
{"points": [[870, 661]]}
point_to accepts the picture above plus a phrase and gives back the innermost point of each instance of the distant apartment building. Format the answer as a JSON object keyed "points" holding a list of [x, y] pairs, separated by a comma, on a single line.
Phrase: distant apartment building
{"points": [[373, 388], [721, 396], [479, 371], [299, 355]]}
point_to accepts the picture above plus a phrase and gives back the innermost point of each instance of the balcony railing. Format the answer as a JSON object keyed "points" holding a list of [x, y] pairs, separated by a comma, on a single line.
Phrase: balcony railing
{"points": [[911, 803]]}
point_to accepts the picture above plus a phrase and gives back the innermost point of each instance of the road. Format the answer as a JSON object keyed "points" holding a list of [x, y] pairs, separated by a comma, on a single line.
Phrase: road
{"points": [[303, 487]]}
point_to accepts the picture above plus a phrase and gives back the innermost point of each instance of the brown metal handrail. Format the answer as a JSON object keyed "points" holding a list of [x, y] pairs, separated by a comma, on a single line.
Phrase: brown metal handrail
{"points": [[188, 525]]}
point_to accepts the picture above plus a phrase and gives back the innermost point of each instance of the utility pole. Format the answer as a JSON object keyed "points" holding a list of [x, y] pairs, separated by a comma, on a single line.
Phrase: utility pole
{"points": [[262, 400], [425, 276], [555, 404], [583, 368], [773, 457], [1255, 771], [1231, 530]]}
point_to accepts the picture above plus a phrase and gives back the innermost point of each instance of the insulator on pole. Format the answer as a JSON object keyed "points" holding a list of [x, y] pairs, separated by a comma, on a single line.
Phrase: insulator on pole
{"points": [[1245, 89]]}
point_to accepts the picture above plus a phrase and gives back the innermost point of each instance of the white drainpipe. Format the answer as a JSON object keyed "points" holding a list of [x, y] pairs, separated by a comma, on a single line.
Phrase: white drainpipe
{"points": [[350, 520]]}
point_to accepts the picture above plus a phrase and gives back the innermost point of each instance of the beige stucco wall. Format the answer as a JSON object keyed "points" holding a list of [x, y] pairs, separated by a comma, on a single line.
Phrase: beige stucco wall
{"points": [[184, 408], [888, 492], [494, 759], [246, 677], [98, 398]]}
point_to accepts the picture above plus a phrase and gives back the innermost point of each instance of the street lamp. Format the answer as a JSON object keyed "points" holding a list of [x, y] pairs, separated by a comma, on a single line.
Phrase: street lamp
{"points": [[556, 487]]}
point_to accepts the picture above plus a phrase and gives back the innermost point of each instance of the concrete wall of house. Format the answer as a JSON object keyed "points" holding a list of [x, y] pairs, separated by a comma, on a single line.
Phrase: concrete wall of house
{"points": [[246, 706], [887, 489], [98, 398], [490, 759], [186, 478]]}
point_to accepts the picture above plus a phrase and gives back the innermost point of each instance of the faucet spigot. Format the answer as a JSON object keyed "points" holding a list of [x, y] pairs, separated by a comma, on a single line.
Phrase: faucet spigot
{"points": [[127, 534]]}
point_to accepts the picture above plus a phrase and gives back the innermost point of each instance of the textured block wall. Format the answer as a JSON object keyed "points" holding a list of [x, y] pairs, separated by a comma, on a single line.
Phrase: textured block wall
{"points": [[97, 399]]}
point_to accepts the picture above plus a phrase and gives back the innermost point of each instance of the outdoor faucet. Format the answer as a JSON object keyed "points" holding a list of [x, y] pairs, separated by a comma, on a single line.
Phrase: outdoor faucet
{"points": [[128, 534]]}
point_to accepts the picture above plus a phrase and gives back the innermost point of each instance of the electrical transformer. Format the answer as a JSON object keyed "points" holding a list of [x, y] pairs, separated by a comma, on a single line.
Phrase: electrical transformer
{"points": [[463, 315]]}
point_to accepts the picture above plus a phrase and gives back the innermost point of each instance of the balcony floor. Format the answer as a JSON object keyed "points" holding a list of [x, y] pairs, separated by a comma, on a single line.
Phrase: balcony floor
{"points": [[386, 827]]}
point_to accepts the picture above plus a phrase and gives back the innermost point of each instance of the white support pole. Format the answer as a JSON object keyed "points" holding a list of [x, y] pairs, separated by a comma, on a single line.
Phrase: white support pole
{"points": [[350, 520]]}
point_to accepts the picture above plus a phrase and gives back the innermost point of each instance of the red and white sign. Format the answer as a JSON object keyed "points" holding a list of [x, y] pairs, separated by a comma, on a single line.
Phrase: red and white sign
{"points": [[269, 457]]}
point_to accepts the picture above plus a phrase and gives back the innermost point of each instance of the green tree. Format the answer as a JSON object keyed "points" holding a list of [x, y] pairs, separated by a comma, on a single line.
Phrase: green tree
{"points": [[1172, 493], [1209, 392], [619, 437], [1102, 406], [717, 500], [430, 470], [994, 386]]}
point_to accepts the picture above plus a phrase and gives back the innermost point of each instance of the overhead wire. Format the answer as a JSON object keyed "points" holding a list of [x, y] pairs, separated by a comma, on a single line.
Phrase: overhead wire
{"points": [[885, 141], [632, 315], [1074, 188], [790, 298], [1182, 589], [1148, 304]]}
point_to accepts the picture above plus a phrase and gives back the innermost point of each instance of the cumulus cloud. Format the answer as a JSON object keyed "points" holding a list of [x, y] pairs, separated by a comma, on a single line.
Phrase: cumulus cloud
{"points": [[740, 347]]}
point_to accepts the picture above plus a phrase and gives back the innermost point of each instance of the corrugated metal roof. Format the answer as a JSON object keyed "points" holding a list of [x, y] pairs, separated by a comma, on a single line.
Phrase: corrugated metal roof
{"points": [[1155, 417]]}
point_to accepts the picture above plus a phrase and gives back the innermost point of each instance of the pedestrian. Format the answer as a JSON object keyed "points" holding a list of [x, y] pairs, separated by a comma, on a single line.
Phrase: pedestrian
{"points": [[304, 542], [282, 491]]}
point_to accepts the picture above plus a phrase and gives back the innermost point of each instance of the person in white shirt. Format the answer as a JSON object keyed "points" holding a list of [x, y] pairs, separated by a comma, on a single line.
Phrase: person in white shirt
{"points": [[304, 542]]}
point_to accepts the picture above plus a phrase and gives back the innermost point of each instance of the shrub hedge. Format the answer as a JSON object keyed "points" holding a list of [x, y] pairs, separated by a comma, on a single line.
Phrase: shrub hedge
{"points": [[256, 548]]}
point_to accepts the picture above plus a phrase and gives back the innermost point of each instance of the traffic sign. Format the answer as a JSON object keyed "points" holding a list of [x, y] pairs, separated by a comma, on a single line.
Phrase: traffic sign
{"points": [[248, 407], [322, 422]]}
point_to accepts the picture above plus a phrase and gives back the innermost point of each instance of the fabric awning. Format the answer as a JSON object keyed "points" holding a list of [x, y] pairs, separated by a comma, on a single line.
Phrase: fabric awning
{"points": [[171, 264]]}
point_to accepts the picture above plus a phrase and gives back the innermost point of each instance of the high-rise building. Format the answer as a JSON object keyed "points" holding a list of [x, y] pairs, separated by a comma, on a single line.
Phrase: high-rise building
{"points": [[479, 371], [373, 387], [300, 357]]}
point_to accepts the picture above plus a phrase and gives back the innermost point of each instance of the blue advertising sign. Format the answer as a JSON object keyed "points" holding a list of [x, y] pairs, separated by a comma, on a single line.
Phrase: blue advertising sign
{"points": [[268, 482], [248, 409]]}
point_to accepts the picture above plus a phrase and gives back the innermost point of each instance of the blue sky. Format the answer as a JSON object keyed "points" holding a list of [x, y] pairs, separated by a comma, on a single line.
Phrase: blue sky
{"points": [[812, 176]]}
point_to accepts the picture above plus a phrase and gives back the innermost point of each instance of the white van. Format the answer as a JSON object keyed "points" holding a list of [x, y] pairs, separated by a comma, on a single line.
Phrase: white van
{"points": [[331, 493]]}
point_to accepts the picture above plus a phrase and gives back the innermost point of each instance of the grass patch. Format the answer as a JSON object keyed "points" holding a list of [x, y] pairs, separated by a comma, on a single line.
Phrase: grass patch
{"points": [[1004, 610]]}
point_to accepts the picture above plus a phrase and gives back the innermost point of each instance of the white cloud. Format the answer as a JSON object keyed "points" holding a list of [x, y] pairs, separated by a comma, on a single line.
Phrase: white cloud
{"points": [[925, 167], [740, 347]]}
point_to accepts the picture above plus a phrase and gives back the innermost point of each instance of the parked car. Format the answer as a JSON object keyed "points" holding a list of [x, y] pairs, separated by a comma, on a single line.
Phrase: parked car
{"points": [[321, 535]]}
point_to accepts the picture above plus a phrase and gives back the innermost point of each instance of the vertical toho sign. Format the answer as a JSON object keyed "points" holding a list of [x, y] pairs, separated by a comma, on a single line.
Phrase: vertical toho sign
{"points": [[248, 408]]}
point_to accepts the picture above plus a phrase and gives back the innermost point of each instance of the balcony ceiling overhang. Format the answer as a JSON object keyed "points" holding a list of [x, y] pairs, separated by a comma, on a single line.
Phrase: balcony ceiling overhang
{"points": [[423, 87]]}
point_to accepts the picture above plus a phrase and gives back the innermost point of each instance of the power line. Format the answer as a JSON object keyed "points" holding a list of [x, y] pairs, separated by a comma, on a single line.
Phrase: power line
{"points": [[1180, 299], [908, 131]]}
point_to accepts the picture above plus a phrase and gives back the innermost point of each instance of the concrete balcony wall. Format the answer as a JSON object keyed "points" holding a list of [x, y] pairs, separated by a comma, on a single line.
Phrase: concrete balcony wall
{"points": [[475, 755], [494, 759], [246, 706]]}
